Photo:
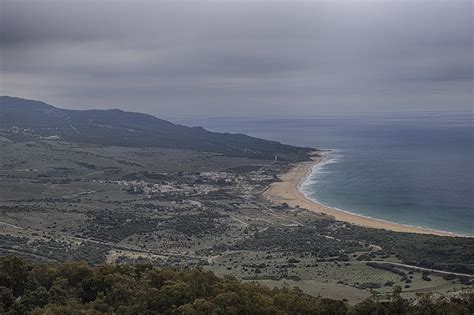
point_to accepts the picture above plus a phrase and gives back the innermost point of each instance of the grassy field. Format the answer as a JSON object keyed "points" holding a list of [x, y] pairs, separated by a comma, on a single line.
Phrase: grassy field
{"points": [[61, 201]]}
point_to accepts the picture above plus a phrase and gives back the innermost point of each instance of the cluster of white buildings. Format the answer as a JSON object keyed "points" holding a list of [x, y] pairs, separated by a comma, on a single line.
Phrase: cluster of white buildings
{"points": [[206, 182]]}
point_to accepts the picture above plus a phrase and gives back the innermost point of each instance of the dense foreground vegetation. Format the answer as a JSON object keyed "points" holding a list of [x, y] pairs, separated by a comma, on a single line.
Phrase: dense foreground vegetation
{"points": [[77, 288]]}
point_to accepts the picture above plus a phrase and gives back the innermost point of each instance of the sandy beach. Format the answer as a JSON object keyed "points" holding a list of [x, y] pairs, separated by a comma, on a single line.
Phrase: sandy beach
{"points": [[287, 190]]}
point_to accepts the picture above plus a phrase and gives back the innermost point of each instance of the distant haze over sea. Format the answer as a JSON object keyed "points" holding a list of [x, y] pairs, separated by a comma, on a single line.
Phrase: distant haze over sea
{"points": [[415, 169]]}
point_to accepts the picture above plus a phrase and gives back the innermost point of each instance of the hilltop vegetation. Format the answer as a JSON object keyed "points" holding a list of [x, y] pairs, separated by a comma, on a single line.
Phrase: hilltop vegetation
{"points": [[23, 120], [62, 201], [73, 288]]}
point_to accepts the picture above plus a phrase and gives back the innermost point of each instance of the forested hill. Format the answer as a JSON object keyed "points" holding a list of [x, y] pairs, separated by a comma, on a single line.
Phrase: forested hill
{"points": [[76, 288], [24, 120]]}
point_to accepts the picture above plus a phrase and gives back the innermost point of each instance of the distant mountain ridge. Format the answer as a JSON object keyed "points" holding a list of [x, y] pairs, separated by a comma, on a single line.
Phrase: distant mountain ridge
{"points": [[25, 120]]}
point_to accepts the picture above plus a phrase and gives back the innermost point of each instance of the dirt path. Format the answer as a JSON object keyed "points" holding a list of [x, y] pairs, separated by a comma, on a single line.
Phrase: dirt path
{"points": [[422, 268]]}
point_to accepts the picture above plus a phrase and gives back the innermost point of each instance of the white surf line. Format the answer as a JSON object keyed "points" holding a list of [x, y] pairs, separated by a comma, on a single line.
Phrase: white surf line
{"points": [[325, 158]]}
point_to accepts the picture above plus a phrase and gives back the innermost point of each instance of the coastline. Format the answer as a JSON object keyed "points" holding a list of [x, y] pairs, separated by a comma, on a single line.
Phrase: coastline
{"points": [[287, 191]]}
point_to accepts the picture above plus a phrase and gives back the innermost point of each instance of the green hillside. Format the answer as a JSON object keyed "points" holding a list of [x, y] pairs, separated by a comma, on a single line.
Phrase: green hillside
{"points": [[23, 120]]}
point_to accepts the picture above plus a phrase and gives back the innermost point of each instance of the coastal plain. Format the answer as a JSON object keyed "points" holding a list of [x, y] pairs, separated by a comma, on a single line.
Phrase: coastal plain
{"points": [[64, 201]]}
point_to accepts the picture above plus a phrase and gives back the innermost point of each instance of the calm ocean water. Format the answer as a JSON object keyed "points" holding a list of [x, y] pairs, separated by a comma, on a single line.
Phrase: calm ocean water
{"points": [[410, 169]]}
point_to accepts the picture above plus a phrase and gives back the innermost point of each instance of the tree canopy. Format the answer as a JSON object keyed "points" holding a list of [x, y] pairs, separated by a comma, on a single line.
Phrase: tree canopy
{"points": [[78, 288]]}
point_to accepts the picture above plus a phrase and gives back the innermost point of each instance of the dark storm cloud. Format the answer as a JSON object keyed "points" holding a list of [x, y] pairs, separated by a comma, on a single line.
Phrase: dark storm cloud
{"points": [[239, 56]]}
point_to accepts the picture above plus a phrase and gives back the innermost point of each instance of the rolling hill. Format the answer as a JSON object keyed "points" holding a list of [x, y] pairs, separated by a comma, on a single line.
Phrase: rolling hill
{"points": [[26, 120]]}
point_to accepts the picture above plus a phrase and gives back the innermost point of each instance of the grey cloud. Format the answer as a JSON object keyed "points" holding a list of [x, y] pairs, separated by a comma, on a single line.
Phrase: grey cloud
{"points": [[239, 56]]}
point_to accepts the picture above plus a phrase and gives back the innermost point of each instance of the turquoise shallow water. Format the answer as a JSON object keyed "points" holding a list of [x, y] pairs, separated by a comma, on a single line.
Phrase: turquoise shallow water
{"points": [[410, 169]]}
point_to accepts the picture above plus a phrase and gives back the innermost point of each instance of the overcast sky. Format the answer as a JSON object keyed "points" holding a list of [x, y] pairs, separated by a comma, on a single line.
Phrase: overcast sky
{"points": [[240, 57]]}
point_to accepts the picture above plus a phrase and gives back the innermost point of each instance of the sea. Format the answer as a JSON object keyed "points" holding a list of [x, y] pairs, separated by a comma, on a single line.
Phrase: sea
{"points": [[415, 169]]}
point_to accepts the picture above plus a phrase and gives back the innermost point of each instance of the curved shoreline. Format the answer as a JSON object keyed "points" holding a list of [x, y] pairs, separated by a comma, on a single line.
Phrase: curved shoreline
{"points": [[287, 191]]}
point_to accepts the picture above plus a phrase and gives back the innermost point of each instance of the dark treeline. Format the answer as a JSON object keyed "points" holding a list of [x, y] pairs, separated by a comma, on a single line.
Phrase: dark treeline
{"points": [[127, 129], [78, 288]]}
